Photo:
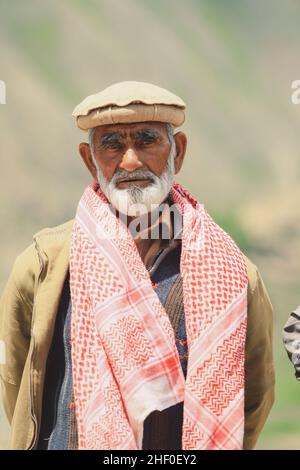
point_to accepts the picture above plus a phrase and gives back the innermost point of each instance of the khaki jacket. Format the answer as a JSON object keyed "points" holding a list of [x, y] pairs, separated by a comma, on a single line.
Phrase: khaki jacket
{"points": [[28, 308]]}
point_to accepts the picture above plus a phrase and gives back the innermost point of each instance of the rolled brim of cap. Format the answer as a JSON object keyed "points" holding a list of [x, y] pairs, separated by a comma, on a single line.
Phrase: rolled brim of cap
{"points": [[131, 113]]}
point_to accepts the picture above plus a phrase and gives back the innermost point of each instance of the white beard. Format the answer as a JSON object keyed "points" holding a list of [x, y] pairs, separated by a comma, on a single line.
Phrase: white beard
{"points": [[137, 200]]}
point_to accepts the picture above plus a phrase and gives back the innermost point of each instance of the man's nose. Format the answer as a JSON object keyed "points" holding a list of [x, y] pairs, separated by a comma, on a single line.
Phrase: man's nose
{"points": [[130, 160]]}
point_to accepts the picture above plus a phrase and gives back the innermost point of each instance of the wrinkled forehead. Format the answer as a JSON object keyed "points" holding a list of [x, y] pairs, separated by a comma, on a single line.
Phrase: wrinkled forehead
{"points": [[131, 128]]}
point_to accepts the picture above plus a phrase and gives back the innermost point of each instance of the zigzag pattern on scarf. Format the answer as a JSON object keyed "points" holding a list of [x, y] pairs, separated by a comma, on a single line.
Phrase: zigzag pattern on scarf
{"points": [[127, 345], [220, 378]]}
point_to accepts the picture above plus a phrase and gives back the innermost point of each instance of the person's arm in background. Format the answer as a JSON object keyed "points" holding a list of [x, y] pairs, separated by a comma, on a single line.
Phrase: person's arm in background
{"points": [[15, 324], [259, 363], [291, 340]]}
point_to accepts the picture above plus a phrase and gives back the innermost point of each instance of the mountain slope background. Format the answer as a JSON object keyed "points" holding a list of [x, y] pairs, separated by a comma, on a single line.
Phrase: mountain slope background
{"points": [[233, 64]]}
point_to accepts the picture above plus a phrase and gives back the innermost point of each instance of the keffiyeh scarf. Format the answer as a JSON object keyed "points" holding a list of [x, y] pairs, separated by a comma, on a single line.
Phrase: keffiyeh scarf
{"points": [[124, 356]]}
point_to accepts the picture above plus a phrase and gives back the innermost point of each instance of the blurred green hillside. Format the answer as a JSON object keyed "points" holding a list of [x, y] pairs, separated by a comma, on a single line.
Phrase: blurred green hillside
{"points": [[231, 61]]}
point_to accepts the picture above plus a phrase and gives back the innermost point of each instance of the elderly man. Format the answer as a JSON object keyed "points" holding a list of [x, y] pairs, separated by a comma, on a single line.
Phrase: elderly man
{"points": [[139, 324]]}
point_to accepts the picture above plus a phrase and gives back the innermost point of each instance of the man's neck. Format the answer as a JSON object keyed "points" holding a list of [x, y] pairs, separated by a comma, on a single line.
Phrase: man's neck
{"points": [[152, 231]]}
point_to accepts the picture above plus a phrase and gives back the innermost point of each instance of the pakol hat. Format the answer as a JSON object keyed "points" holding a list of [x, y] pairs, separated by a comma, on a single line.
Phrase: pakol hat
{"points": [[127, 102]]}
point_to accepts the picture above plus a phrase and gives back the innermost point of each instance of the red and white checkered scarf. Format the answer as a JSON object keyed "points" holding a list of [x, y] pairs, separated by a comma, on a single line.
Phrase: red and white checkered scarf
{"points": [[125, 360]]}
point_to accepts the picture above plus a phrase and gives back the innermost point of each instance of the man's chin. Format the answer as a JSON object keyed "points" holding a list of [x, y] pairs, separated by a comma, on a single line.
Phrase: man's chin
{"points": [[124, 204], [132, 210]]}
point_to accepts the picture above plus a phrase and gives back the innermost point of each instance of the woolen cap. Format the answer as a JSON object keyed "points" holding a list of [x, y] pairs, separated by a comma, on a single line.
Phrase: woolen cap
{"points": [[127, 102]]}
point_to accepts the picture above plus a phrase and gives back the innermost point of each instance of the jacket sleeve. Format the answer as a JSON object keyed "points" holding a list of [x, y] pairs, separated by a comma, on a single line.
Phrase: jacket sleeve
{"points": [[259, 365], [291, 340], [15, 322]]}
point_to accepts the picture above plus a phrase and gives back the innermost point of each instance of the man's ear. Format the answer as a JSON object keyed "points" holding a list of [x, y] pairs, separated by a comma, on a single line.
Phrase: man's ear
{"points": [[181, 143], [86, 155]]}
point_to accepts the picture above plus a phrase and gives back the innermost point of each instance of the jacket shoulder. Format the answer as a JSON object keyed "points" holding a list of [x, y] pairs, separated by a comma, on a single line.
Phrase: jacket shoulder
{"points": [[58, 230], [27, 265], [25, 271], [252, 277], [29, 258]]}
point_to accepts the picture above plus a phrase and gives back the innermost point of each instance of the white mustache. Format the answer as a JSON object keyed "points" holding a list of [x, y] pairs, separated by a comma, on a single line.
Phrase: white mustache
{"points": [[137, 175]]}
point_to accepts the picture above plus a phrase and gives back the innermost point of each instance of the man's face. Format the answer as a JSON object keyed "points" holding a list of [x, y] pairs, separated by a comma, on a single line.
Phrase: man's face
{"points": [[131, 147], [134, 163]]}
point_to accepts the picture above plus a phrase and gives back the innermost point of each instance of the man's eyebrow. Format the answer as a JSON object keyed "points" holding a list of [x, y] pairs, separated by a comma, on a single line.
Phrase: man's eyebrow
{"points": [[113, 137], [109, 138], [146, 133]]}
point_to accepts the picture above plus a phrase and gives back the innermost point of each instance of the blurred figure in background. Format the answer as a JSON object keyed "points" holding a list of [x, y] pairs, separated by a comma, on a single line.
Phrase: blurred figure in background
{"points": [[291, 340]]}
